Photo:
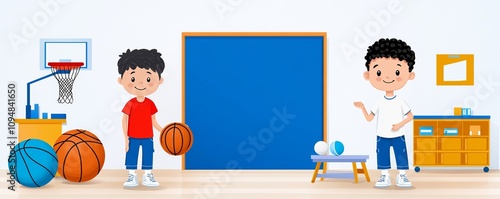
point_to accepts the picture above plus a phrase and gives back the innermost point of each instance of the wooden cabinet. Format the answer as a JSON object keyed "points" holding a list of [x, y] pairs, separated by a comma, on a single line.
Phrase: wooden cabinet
{"points": [[451, 141]]}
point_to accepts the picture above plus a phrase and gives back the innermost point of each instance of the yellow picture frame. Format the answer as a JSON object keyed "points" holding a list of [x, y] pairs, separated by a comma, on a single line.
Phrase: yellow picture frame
{"points": [[444, 59]]}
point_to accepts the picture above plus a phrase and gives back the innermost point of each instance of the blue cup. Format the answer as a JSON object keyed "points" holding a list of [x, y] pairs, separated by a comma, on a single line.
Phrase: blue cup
{"points": [[466, 112]]}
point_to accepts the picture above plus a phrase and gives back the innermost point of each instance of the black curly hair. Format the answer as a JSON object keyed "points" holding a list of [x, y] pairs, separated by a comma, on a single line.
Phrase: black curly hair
{"points": [[142, 58], [393, 48]]}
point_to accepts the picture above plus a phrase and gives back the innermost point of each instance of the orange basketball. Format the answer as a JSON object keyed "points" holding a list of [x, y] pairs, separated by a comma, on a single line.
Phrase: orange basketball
{"points": [[176, 138], [80, 154]]}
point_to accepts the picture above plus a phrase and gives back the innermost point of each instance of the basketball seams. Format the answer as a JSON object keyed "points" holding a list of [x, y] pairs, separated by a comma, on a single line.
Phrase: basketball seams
{"points": [[175, 128], [64, 161], [53, 174], [27, 169], [83, 132], [93, 151], [189, 133], [32, 147], [75, 144], [173, 137], [173, 140], [15, 162], [190, 138], [81, 163], [164, 137], [62, 141], [75, 135]]}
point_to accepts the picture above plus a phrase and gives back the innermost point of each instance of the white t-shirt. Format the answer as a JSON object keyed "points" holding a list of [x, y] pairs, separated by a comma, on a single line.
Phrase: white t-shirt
{"points": [[389, 111]]}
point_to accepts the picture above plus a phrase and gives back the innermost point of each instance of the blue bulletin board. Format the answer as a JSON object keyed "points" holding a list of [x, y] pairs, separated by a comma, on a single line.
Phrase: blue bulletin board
{"points": [[254, 100]]}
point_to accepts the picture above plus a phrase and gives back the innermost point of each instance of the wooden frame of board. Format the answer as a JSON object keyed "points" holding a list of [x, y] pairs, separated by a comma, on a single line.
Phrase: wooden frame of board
{"points": [[253, 34]]}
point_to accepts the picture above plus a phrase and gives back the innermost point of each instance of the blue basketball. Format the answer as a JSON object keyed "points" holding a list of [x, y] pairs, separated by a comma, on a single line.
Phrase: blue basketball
{"points": [[337, 148], [33, 163]]}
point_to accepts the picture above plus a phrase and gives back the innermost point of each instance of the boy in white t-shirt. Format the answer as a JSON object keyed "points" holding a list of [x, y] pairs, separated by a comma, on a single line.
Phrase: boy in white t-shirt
{"points": [[389, 65]]}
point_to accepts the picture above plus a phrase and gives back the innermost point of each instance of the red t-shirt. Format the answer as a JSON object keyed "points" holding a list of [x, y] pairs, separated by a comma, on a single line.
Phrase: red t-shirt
{"points": [[140, 124]]}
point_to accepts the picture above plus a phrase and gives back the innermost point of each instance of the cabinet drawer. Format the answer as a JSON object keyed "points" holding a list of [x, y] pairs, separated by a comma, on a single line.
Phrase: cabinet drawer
{"points": [[425, 158], [451, 143], [476, 143], [476, 159], [425, 144], [451, 158]]}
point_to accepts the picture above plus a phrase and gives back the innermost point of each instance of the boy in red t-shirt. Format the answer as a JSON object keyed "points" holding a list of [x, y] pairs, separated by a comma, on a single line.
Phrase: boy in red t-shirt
{"points": [[140, 72]]}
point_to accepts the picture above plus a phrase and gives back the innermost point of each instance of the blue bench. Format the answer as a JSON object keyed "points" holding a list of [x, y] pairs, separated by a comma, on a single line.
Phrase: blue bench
{"points": [[342, 158]]}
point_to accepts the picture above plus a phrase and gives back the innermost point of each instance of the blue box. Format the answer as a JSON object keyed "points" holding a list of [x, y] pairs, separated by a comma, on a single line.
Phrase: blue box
{"points": [[466, 111], [451, 131], [35, 112], [45, 116], [426, 131], [58, 116]]}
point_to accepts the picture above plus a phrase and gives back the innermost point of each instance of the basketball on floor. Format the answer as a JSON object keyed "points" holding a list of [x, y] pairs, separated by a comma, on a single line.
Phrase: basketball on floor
{"points": [[33, 163], [81, 155]]}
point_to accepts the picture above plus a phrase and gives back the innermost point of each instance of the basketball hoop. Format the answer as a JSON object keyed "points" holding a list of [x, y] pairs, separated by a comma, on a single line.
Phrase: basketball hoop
{"points": [[65, 73]]}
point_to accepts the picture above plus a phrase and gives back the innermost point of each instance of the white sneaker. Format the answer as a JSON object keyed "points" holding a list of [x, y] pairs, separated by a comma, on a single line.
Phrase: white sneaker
{"points": [[131, 181], [149, 180], [384, 181], [402, 181]]}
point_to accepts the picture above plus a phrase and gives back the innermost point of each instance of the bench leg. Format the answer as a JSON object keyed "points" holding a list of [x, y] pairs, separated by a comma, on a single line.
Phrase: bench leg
{"points": [[355, 171], [324, 169], [367, 176], [315, 172]]}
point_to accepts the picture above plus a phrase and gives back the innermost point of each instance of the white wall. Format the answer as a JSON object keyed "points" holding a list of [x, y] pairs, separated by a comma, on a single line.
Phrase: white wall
{"points": [[429, 27]]}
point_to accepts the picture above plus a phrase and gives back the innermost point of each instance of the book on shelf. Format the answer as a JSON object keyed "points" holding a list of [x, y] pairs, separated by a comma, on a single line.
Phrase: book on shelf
{"points": [[451, 131], [475, 130], [426, 130]]}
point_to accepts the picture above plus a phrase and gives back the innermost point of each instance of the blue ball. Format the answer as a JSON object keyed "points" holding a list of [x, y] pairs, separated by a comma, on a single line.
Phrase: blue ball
{"points": [[33, 163], [337, 148]]}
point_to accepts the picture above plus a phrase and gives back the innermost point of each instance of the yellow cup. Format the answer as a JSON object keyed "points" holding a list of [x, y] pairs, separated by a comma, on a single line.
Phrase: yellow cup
{"points": [[457, 111]]}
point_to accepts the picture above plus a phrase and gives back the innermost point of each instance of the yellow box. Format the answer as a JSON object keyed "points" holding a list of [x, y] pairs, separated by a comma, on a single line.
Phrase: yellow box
{"points": [[457, 111], [47, 130]]}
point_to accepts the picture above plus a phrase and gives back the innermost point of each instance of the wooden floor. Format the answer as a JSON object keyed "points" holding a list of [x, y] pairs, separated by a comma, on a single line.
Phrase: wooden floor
{"points": [[280, 184]]}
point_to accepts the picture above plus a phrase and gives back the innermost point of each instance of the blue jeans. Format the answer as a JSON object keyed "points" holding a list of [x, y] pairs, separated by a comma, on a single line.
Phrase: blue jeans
{"points": [[383, 152], [133, 153]]}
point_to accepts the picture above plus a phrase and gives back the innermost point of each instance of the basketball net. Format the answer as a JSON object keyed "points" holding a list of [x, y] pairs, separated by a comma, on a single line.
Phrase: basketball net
{"points": [[65, 73]]}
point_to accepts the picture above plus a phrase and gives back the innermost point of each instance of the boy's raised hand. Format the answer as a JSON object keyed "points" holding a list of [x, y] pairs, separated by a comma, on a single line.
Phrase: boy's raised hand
{"points": [[368, 117], [359, 105]]}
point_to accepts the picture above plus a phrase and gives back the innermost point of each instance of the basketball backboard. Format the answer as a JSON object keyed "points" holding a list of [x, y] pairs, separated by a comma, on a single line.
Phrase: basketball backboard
{"points": [[74, 50]]}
